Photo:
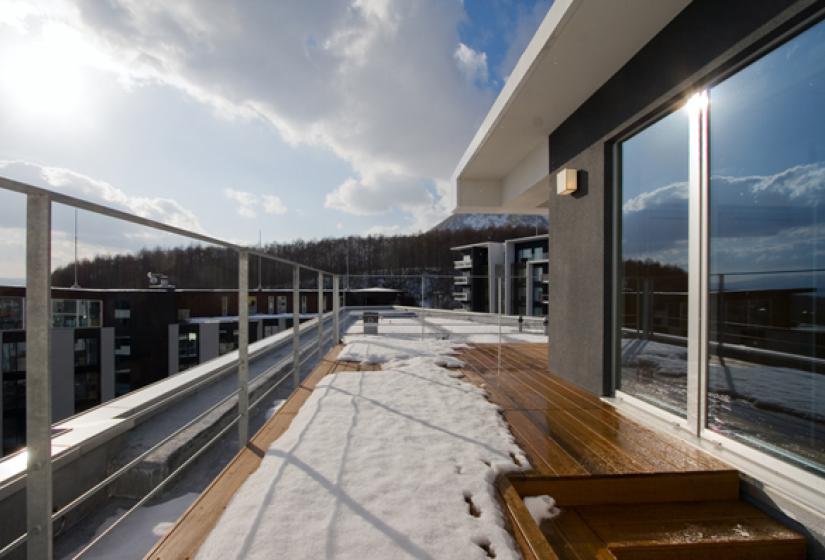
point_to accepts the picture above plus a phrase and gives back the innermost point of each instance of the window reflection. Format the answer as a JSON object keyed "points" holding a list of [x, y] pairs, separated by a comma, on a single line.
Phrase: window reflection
{"points": [[654, 225], [767, 253]]}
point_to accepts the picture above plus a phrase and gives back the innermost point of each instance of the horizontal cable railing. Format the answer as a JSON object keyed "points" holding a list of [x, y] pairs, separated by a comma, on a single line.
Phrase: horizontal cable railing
{"points": [[38, 313], [41, 515]]}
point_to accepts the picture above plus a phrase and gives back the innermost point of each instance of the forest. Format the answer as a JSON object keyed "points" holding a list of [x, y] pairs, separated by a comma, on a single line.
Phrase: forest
{"points": [[396, 261]]}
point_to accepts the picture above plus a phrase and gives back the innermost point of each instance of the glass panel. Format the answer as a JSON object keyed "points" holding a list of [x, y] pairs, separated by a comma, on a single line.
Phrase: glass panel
{"points": [[653, 275], [767, 253], [11, 313]]}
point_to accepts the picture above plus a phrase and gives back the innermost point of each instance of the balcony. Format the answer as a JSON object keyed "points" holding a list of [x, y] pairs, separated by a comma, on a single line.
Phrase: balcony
{"points": [[663, 486], [462, 280], [179, 453], [466, 262]]}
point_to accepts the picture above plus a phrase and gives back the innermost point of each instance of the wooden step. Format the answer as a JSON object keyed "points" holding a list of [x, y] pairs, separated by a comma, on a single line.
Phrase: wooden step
{"points": [[680, 516]]}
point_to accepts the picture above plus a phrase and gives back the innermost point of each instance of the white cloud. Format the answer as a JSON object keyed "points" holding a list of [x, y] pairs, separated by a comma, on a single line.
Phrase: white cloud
{"points": [[473, 64], [273, 205], [165, 210], [248, 203], [382, 83]]}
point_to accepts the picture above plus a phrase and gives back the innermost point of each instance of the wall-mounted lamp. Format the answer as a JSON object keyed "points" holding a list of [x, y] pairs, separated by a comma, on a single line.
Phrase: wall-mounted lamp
{"points": [[566, 181]]}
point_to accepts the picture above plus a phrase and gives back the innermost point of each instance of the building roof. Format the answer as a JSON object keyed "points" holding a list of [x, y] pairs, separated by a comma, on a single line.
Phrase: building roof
{"points": [[528, 238], [579, 45], [471, 245]]}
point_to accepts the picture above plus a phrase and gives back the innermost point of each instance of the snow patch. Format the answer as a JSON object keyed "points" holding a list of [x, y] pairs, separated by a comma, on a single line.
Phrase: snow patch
{"points": [[541, 508], [389, 464], [379, 349], [139, 532]]}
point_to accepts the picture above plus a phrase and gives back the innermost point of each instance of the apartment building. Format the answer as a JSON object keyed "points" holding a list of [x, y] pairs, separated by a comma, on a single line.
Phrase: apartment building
{"points": [[682, 174], [476, 270], [526, 276], [519, 265], [108, 342]]}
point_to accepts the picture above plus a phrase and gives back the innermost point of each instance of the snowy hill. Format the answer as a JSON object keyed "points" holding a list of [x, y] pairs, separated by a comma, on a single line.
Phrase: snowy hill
{"points": [[487, 221]]}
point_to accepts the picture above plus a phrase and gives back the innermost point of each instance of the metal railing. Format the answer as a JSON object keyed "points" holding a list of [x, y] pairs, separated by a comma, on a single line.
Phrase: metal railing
{"points": [[39, 499]]}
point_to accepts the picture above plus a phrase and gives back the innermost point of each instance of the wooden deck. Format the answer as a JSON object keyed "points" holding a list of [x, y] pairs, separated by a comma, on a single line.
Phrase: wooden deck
{"points": [[598, 463], [192, 528], [625, 491], [566, 430]]}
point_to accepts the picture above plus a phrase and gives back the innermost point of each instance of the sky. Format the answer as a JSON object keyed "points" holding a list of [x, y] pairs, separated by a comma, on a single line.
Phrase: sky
{"points": [[301, 119]]}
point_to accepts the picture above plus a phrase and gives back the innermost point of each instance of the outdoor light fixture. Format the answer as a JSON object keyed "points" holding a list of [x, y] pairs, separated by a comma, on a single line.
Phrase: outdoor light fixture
{"points": [[566, 181]]}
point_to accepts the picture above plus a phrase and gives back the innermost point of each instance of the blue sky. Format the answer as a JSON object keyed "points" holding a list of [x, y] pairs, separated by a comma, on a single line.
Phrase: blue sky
{"points": [[296, 119]]}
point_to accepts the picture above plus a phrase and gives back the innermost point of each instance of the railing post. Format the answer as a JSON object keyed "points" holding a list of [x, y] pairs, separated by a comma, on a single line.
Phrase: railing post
{"points": [[296, 321], [320, 314], [336, 308], [38, 377], [243, 348]]}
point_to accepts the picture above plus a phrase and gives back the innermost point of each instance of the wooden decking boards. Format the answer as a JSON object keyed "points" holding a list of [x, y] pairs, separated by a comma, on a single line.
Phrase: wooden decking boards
{"points": [[192, 528], [625, 491], [566, 430]]}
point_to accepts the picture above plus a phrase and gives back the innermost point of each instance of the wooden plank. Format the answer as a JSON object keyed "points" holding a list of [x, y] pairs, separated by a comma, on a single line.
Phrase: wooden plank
{"points": [[571, 538], [546, 456], [573, 491], [723, 550], [194, 525], [592, 431], [529, 538]]}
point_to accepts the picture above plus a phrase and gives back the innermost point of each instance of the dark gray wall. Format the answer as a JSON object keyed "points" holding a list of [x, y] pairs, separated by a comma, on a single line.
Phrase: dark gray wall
{"points": [[578, 293], [705, 40]]}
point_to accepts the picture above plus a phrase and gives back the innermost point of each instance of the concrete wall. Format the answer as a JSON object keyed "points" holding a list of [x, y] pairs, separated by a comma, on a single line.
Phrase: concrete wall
{"points": [[579, 290], [174, 359], [62, 366], [208, 341], [107, 363]]}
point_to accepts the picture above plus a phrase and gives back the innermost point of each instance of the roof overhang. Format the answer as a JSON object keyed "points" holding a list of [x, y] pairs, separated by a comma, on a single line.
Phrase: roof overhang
{"points": [[579, 45]]}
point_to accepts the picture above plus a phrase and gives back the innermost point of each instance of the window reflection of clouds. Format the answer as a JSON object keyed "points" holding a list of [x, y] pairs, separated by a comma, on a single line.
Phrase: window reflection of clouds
{"points": [[768, 220]]}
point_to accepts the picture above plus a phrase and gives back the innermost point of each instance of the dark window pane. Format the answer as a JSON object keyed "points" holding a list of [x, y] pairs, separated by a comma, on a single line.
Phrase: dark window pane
{"points": [[767, 253], [654, 182]]}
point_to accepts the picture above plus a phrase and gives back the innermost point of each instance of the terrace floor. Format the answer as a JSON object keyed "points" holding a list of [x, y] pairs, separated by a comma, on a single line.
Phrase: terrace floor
{"points": [[567, 431], [567, 434]]}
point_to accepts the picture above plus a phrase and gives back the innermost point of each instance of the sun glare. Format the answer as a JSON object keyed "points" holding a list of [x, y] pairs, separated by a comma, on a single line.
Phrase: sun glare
{"points": [[46, 77]]}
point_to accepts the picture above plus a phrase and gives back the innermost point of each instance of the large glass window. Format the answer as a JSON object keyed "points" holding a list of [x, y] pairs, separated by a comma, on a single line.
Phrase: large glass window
{"points": [[766, 369], [76, 313], [654, 264], [11, 313]]}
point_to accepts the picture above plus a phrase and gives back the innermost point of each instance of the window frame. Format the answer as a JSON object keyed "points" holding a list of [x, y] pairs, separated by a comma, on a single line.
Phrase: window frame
{"points": [[791, 480]]}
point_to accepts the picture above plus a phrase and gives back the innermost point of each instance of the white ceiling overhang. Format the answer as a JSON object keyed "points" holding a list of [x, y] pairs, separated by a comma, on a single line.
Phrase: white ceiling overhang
{"points": [[579, 45]]}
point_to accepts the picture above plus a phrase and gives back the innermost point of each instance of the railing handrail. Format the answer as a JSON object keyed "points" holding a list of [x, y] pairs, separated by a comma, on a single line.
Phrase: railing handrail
{"points": [[61, 198]]}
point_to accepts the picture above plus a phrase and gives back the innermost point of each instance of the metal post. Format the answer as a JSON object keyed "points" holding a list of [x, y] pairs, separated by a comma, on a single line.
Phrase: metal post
{"points": [[422, 291], [243, 348], [500, 304], [320, 314], [38, 377], [296, 321], [336, 308]]}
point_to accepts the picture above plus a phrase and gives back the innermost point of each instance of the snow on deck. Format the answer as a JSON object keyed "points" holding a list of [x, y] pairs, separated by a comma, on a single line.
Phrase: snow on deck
{"points": [[456, 328], [398, 463]]}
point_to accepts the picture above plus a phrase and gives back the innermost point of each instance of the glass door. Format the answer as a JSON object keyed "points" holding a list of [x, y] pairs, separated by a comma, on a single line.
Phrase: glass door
{"points": [[653, 274]]}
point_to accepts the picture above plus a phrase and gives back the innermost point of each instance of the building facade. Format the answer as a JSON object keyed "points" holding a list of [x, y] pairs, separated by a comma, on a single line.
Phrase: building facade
{"points": [[682, 173], [519, 265], [526, 276], [105, 343], [476, 270]]}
